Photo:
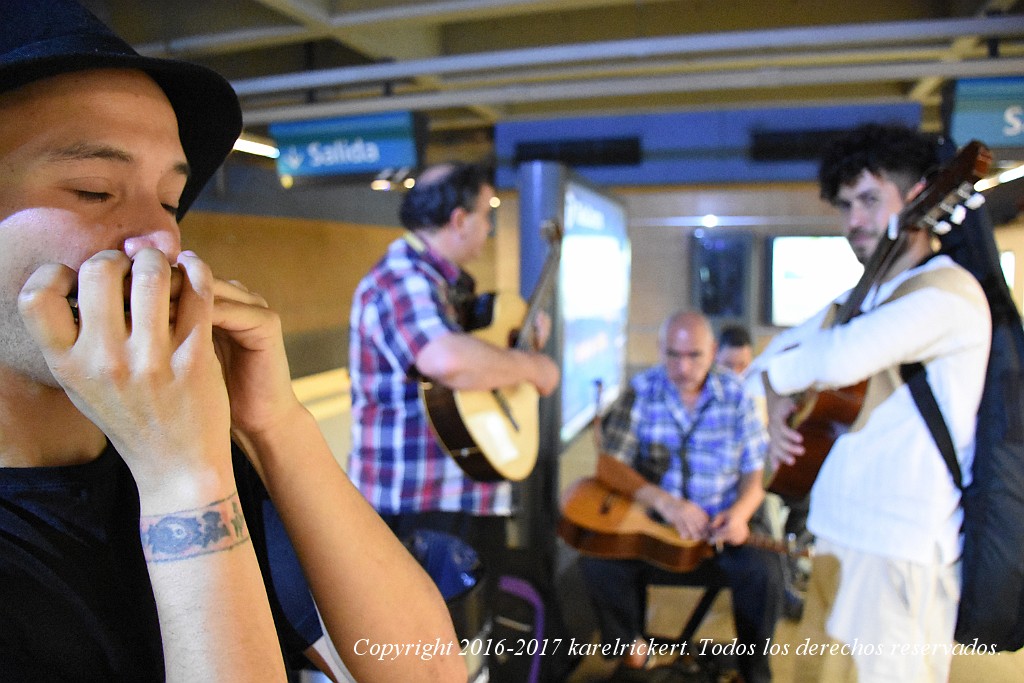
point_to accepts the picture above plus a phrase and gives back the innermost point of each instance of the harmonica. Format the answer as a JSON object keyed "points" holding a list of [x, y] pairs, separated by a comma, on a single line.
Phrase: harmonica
{"points": [[73, 303], [176, 282]]}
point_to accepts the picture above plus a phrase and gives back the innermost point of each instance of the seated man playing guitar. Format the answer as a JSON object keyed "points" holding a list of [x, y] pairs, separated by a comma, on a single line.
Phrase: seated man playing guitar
{"points": [[693, 449], [406, 327], [884, 508]]}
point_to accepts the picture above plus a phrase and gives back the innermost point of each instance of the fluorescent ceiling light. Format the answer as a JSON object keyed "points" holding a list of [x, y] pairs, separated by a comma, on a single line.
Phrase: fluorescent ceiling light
{"points": [[1004, 177], [251, 146]]}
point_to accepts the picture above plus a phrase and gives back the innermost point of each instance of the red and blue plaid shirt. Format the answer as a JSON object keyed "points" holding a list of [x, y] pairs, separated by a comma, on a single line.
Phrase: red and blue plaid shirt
{"points": [[400, 306]]}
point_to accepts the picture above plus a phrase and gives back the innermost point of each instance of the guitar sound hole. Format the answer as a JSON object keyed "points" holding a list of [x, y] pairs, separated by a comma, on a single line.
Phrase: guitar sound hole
{"points": [[655, 516]]}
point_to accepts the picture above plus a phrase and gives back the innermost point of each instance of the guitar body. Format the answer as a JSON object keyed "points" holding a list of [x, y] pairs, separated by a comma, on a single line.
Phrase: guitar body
{"points": [[495, 435], [491, 435], [821, 419], [599, 522], [507, 310]]}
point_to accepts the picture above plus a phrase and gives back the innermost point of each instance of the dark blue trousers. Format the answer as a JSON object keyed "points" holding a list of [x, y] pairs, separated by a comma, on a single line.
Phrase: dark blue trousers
{"points": [[618, 590]]}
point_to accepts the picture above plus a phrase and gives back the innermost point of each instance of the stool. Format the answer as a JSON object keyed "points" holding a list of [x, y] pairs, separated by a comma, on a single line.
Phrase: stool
{"points": [[699, 612], [697, 615], [692, 663]]}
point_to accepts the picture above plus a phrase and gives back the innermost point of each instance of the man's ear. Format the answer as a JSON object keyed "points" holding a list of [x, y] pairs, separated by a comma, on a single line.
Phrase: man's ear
{"points": [[915, 190], [457, 218], [461, 224]]}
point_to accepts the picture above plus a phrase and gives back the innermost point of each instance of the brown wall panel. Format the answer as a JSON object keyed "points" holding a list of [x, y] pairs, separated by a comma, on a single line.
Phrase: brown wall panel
{"points": [[306, 269]]}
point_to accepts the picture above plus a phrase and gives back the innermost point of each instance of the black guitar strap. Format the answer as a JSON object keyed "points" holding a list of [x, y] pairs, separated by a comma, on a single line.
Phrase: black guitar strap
{"points": [[471, 311], [916, 379], [684, 445]]}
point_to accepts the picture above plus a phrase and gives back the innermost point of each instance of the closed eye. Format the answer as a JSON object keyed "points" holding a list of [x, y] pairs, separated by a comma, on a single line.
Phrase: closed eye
{"points": [[92, 196], [98, 197]]}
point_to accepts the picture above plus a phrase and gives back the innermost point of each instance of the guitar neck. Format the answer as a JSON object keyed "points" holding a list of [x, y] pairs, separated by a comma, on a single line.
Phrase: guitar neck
{"points": [[542, 292], [776, 546], [881, 259]]}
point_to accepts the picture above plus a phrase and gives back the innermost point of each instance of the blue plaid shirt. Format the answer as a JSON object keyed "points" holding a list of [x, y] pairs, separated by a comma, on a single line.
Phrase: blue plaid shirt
{"points": [[399, 307], [724, 439]]}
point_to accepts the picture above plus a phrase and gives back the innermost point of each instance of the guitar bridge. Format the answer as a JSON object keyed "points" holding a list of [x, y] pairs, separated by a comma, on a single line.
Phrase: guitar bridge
{"points": [[505, 408]]}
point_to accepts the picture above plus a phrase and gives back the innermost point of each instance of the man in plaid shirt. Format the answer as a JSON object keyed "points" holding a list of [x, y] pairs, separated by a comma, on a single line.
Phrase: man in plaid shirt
{"points": [[404, 327], [695, 450]]}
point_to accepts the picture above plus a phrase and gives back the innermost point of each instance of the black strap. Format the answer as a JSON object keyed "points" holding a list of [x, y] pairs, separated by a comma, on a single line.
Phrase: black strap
{"points": [[914, 377], [684, 449]]}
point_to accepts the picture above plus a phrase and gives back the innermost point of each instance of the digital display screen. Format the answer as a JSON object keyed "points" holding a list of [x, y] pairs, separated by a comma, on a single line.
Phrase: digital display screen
{"points": [[808, 272], [594, 278]]}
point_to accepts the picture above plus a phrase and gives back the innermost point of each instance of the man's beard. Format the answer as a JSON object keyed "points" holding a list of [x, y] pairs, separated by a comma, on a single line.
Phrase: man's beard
{"points": [[18, 350]]}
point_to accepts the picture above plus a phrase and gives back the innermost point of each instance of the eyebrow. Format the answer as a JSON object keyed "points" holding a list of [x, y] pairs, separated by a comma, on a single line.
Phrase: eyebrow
{"points": [[85, 152], [676, 354], [842, 203]]}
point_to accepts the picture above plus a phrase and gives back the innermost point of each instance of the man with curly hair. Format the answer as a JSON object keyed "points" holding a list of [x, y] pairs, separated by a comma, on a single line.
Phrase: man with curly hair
{"points": [[884, 508]]}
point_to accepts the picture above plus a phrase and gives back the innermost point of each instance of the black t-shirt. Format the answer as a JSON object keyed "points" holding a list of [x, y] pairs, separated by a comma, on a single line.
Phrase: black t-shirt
{"points": [[75, 598]]}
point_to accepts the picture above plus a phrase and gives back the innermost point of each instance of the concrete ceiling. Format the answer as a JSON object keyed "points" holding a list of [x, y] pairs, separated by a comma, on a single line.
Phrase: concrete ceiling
{"points": [[469, 64]]}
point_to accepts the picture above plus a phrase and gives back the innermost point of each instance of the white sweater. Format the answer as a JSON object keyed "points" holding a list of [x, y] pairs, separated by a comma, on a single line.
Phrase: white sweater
{"points": [[884, 487]]}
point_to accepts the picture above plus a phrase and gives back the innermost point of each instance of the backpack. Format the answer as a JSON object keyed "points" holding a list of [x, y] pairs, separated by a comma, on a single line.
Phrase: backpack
{"points": [[991, 611]]}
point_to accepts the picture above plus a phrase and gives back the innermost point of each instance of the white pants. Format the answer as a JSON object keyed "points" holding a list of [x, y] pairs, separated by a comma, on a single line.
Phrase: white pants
{"points": [[896, 618]]}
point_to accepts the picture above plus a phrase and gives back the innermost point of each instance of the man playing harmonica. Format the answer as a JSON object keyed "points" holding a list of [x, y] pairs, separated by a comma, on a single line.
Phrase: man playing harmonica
{"points": [[132, 531]]}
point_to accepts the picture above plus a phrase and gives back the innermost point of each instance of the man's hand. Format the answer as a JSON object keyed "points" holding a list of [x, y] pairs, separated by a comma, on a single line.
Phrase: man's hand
{"points": [[729, 527], [250, 345], [785, 443], [541, 331], [688, 518], [546, 375], [152, 386]]}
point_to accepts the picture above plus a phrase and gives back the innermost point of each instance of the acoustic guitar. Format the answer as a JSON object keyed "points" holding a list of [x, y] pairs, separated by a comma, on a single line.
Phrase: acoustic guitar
{"points": [[600, 522], [821, 417], [494, 435]]}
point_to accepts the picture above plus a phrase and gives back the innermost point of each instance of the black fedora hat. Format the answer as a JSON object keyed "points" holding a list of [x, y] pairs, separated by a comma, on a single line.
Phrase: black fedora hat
{"points": [[43, 38]]}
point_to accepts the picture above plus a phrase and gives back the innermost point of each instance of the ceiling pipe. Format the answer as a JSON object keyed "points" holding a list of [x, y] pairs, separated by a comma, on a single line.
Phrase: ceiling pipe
{"points": [[313, 23], [228, 42], [457, 10], [887, 33], [863, 55], [636, 86]]}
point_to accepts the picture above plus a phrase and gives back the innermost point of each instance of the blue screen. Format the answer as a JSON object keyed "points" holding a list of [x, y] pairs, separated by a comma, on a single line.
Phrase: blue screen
{"points": [[593, 303]]}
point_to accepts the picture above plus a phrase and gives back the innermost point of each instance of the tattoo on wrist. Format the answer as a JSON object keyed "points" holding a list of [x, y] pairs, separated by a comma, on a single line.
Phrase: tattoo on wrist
{"points": [[180, 535]]}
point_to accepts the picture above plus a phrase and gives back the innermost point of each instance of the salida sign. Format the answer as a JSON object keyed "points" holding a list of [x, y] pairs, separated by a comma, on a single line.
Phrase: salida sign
{"points": [[359, 145], [989, 109]]}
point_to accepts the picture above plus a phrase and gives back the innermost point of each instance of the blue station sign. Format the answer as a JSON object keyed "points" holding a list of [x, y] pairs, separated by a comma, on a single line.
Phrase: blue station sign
{"points": [[357, 145], [990, 110]]}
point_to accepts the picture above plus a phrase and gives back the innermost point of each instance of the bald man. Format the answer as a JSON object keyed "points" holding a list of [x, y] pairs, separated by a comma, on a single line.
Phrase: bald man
{"points": [[694, 450]]}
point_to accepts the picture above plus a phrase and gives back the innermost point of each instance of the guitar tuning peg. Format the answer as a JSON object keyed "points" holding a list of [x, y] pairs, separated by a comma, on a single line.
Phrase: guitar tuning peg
{"points": [[958, 215], [975, 201], [941, 228], [893, 231]]}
